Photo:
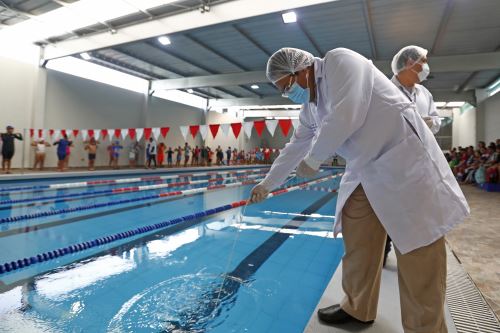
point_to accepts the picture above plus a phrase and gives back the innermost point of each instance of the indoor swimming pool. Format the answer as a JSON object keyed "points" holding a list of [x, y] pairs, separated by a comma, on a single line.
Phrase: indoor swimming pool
{"points": [[165, 253]]}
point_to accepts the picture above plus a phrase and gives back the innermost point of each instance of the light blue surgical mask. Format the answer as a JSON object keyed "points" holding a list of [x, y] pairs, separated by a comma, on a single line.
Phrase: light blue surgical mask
{"points": [[298, 94]]}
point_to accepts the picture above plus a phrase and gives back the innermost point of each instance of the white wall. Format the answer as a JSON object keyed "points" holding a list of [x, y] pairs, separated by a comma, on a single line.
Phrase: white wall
{"points": [[464, 128], [489, 119]]}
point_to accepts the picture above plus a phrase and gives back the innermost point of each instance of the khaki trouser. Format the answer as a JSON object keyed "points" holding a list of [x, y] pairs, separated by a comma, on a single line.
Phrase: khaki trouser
{"points": [[421, 273]]}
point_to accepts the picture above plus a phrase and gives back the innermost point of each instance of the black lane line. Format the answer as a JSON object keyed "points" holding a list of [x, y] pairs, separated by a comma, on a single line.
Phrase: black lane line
{"points": [[27, 229], [194, 319]]}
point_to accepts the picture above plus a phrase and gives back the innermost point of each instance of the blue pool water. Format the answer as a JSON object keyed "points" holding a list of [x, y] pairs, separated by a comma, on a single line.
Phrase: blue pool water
{"points": [[260, 271]]}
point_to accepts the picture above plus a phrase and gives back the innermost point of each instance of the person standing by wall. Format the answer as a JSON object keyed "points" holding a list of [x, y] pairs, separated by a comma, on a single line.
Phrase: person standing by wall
{"points": [[62, 150], [187, 151], [8, 147], [178, 157], [40, 147], [116, 147], [151, 150], [133, 153], [228, 155], [91, 147], [161, 154]]}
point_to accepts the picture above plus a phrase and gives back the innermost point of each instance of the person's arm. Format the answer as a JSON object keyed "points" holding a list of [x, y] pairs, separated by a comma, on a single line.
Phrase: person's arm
{"points": [[292, 154], [433, 120], [18, 136], [349, 78]]}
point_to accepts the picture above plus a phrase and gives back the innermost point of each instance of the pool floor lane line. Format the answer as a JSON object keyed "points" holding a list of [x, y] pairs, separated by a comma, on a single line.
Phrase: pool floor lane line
{"points": [[226, 293]]}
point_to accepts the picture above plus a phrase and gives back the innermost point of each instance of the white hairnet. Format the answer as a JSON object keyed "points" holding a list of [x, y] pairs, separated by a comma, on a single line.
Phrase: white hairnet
{"points": [[411, 52], [287, 61]]}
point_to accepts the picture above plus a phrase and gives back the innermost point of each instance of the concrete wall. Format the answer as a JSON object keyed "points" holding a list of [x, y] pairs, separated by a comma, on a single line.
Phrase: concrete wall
{"points": [[464, 128], [488, 119]]}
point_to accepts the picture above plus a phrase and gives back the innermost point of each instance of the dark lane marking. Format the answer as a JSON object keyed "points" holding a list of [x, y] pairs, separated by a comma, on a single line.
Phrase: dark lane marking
{"points": [[194, 319]]}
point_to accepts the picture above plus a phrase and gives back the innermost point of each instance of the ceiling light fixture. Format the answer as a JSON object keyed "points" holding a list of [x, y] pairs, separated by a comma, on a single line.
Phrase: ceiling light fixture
{"points": [[254, 86], [190, 91], [85, 56], [289, 17], [164, 40], [454, 104]]}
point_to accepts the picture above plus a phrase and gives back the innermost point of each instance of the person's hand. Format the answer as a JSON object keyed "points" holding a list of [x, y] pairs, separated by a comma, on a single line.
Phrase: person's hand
{"points": [[304, 170], [428, 121], [258, 194]]}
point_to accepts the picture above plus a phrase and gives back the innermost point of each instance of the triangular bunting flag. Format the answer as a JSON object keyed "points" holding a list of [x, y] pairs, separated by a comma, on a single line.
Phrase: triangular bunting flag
{"points": [[295, 123], [193, 129], [184, 131], [84, 134], [164, 131], [259, 126], [225, 128], [124, 133], [131, 133], [57, 134], [104, 133], [271, 125], [147, 133], [51, 133], [32, 132], [75, 133], [156, 132], [236, 127], [203, 131], [111, 133], [91, 133], [139, 132], [117, 132], [63, 132], [214, 128], [285, 125], [247, 127], [97, 133], [41, 133]]}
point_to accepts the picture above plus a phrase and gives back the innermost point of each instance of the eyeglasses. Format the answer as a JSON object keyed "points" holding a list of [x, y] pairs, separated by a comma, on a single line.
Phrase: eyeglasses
{"points": [[287, 88]]}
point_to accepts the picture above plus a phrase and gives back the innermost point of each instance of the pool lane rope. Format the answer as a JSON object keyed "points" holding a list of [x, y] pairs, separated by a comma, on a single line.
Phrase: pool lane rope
{"points": [[124, 180], [79, 247], [25, 217], [120, 190]]}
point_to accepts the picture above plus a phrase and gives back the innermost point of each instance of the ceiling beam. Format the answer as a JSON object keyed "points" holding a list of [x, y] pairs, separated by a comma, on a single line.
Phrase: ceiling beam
{"points": [[458, 63], [367, 11], [219, 13], [439, 95], [445, 18], [471, 77], [310, 39], [245, 35]]}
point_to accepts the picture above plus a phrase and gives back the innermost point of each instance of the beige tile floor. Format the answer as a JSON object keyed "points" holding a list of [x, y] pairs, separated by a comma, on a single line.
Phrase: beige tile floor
{"points": [[476, 243]]}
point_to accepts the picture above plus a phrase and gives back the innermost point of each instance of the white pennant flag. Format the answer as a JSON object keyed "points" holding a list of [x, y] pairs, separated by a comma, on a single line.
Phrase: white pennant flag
{"points": [[97, 134], [184, 131], [111, 133], [203, 131], [85, 134], [138, 133], [124, 133], [295, 123], [271, 125], [225, 128], [156, 132], [56, 135], [69, 133], [247, 127]]}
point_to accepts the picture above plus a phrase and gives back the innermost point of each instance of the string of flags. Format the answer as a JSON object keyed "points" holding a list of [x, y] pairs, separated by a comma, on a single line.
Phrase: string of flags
{"points": [[138, 133]]}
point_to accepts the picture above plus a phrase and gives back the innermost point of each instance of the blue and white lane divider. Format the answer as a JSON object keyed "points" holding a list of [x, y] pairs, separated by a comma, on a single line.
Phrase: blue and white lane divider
{"points": [[120, 190], [124, 180], [20, 218], [79, 247]]}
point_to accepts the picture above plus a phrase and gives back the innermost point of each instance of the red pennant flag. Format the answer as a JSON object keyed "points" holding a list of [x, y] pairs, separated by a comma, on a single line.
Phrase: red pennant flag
{"points": [[75, 133], [131, 133], [91, 133], [285, 125], [117, 132], [147, 133], [214, 129], [51, 132], [236, 129], [63, 132], [164, 131], [259, 126], [40, 133], [194, 130], [104, 132], [32, 132]]}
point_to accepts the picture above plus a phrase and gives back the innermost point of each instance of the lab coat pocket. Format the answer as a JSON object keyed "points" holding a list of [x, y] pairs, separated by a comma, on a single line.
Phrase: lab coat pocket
{"points": [[405, 164]]}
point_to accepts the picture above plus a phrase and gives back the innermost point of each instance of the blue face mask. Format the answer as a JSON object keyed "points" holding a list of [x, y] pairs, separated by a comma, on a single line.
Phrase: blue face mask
{"points": [[298, 94]]}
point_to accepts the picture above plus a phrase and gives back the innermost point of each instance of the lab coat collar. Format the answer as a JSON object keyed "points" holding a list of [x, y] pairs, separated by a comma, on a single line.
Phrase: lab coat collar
{"points": [[395, 80]]}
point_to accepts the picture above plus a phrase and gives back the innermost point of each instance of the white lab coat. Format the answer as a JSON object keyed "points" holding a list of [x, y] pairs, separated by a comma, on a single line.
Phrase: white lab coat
{"points": [[361, 115], [424, 102]]}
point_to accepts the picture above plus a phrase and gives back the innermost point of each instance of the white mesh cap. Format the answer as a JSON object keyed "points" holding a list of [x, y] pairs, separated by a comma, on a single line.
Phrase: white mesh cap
{"points": [[412, 52], [287, 61]]}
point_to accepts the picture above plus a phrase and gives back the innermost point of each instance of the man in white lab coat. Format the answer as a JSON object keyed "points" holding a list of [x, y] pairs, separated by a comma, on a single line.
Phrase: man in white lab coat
{"points": [[410, 68], [396, 181]]}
